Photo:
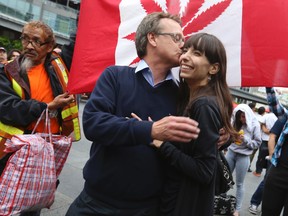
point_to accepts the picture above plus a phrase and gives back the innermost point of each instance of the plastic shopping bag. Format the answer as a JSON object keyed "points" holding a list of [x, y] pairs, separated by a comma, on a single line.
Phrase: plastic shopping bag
{"points": [[62, 146], [28, 181]]}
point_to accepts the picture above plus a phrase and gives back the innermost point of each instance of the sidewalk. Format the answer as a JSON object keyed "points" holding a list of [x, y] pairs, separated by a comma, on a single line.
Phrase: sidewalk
{"points": [[71, 180]]}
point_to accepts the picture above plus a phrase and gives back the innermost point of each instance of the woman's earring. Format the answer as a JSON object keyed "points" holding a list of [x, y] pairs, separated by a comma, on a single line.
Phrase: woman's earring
{"points": [[209, 78]]}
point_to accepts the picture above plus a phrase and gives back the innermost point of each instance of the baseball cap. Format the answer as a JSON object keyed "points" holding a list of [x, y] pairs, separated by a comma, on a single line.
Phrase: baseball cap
{"points": [[2, 48]]}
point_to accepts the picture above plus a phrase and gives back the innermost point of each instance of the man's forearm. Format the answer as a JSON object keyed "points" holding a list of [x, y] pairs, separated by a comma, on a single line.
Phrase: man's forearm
{"points": [[271, 144]]}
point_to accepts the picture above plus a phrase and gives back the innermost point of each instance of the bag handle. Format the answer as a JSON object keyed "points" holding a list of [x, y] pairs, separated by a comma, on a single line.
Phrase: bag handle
{"points": [[47, 127], [38, 121]]}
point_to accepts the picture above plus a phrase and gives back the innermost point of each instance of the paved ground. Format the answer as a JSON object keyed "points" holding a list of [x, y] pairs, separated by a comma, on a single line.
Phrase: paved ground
{"points": [[71, 181]]}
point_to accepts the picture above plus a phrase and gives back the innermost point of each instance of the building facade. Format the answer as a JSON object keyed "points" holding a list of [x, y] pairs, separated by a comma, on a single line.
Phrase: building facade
{"points": [[60, 15]]}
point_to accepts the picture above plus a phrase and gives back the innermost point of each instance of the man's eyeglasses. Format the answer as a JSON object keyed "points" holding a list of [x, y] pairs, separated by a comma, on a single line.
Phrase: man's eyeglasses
{"points": [[35, 43], [176, 37]]}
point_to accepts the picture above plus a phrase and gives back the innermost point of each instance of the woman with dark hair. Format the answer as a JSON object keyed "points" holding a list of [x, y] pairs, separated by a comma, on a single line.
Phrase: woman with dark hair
{"points": [[14, 53], [238, 156], [204, 97]]}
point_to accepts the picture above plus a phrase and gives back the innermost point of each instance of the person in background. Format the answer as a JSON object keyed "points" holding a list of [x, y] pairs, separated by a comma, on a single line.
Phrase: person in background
{"points": [[266, 121], [14, 53], [238, 155], [256, 198], [204, 96], [252, 105], [3, 56], [38, 76], [124, 174], [275, 194], [57, 50]]}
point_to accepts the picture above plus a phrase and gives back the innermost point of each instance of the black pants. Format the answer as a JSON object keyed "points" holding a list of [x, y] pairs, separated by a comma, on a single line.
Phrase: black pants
{"points": [[32, 213], [275, 195], [256, 198], [85, 205], [261, 161]]}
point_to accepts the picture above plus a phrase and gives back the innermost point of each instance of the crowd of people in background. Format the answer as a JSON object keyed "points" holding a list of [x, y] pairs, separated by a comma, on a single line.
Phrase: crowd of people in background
{"points": [[10, 56], [3, 55]]}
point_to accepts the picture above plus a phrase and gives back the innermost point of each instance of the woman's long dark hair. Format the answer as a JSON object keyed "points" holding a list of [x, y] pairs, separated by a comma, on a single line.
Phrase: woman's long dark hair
{"points": [[214, 51], [237, 123]]}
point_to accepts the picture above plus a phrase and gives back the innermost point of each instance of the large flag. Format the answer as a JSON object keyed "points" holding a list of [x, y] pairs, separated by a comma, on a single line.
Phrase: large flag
{"points": [[254, 33]]}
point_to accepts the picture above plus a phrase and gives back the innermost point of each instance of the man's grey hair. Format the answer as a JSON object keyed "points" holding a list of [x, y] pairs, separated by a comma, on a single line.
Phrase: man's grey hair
{"points": [[150, 24]]}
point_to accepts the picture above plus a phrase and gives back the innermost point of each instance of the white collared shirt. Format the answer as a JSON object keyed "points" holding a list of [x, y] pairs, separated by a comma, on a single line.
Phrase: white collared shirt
{"points": [[147, 73]]}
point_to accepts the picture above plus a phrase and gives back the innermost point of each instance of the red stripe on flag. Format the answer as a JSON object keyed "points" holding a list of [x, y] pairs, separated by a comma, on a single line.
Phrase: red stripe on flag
{"points": [[264, 43], [96, 41]]}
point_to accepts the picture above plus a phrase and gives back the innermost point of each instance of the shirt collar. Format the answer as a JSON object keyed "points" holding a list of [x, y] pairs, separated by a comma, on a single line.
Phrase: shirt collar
{"points": [[143, 66]]}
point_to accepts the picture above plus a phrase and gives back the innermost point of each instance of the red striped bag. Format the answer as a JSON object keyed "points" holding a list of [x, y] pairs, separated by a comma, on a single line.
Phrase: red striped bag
{"points": [[28, 182]]}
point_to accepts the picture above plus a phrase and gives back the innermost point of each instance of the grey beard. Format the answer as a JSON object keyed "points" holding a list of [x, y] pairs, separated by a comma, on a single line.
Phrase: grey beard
{"points": [[25, 66]]}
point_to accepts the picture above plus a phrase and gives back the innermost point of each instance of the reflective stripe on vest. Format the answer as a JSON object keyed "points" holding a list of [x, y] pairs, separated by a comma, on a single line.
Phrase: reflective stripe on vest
{"points": [[17, 88], [62, 69], [10, 129], [70, 112], [7, 131], [77, 133]]}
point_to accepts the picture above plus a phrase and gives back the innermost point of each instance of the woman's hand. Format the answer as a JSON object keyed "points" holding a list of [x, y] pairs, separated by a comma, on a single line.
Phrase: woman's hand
{"points": [[157, 143], [224, 138], [138, 118]]}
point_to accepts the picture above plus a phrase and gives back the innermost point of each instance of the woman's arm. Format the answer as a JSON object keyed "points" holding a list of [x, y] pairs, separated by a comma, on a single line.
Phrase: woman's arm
{"points": [[197, 159]]}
